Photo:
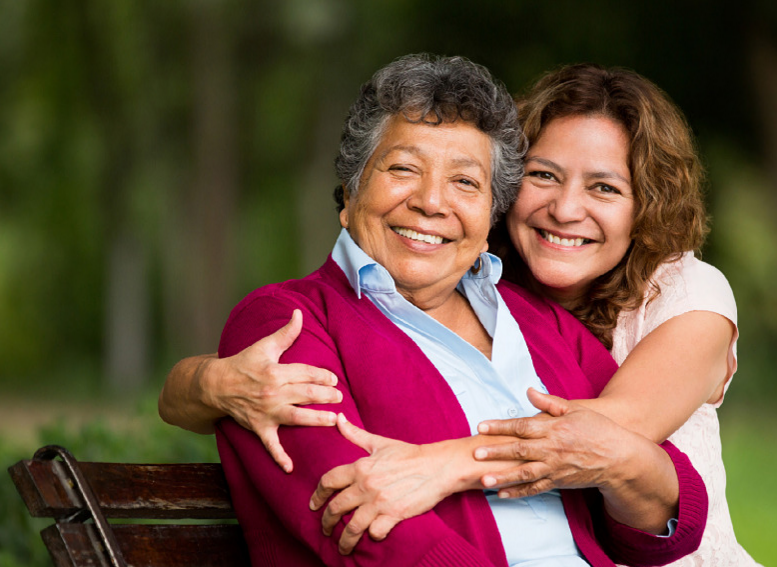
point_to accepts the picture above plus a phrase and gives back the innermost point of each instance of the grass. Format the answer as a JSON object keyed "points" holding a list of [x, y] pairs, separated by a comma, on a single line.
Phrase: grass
{"points": [[750, 453]]}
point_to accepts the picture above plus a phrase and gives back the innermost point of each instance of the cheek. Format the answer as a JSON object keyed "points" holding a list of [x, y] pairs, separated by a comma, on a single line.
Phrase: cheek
{"points": [[625, 225], [517, 228]]}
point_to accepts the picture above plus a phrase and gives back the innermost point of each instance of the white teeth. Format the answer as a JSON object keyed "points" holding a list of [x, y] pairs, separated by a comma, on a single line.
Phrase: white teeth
{"points": [[413, 235], [553, 239]]}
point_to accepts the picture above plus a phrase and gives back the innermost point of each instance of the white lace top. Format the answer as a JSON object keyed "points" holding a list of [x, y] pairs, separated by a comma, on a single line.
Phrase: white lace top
{"points": [[692, 285]]}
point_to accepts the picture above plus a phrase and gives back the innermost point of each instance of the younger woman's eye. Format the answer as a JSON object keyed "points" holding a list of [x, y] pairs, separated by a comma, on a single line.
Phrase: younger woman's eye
{"points": [[608, 189], [545, 175]]}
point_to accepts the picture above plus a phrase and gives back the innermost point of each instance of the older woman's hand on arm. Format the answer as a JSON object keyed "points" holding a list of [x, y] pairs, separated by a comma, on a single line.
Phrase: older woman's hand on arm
{"points": [[253, 388], [396, 481]]}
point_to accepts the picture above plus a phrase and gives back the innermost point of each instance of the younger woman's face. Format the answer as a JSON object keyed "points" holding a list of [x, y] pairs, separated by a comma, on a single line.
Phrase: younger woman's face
{"points": [[574, 214]]}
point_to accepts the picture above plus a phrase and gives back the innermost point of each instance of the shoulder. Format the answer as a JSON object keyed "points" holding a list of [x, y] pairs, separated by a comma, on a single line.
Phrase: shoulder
{"points": [[268, 308], [690, 284], [690, 271]]}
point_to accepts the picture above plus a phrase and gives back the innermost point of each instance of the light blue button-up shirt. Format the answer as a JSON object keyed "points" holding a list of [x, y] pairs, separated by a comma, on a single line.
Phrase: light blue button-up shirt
{"points": [[534, 530]]}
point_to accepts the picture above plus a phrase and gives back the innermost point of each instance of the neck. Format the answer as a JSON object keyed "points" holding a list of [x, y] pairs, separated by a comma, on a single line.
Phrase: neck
{"points": [[567, 300], [456, 313]]}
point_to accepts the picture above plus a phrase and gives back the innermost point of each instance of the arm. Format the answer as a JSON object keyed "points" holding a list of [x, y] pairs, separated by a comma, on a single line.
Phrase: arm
{"points": [[567, 447], [255, 484], [253, 388], [570, 446], [396, 481], [669, 375]]}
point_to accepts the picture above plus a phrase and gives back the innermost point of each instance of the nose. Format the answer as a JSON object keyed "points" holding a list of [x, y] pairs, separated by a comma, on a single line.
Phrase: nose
{"points": [[430, 197], [566, 205]]}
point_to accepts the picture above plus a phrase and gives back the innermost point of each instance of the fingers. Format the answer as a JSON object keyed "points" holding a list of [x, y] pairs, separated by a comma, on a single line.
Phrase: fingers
{"points": [[382, 526], [269, 437], [292, 415], [365, 519], [526, 490], [358, 436], [516, 451], [552, 405], [277, 343], [346, 501], [524, 427], [332, 481], [530, 473], [355, 528]]}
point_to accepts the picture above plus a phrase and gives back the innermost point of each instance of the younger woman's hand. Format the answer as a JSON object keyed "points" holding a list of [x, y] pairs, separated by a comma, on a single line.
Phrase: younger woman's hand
{"points": [[261, 394], [397, 481], [566, 446]]}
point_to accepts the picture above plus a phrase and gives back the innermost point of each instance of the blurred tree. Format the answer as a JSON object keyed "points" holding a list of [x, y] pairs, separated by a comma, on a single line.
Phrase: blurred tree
{"points": [[162, 159]]}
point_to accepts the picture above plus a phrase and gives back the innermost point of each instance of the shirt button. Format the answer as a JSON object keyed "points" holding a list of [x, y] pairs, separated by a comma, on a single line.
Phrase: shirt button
{"points": [[512, 412]]}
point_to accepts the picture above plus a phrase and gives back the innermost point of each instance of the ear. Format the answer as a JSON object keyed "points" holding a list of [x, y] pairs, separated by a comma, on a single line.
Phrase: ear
{"points": [[344, 212], [485, 247]]}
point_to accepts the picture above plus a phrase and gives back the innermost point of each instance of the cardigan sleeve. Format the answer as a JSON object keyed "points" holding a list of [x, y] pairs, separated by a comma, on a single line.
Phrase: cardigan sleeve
{"points": [[640, 549], [258, 484]]}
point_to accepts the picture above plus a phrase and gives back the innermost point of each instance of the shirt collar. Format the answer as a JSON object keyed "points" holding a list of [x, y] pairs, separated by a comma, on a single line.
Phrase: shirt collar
{"points": [[365, 273]]}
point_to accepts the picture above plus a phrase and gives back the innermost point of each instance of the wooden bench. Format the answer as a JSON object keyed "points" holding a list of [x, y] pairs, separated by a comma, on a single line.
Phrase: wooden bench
{"points": [[82, 497]]}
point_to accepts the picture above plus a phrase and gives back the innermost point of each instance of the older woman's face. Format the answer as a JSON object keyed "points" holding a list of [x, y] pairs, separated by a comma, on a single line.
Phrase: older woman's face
{"points": [[423, 207], [574, 214]]}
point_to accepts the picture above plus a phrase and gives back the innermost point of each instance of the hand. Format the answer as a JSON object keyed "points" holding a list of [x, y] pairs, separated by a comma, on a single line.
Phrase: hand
{"points": [[261, 394], [567, 446], [397, 481]]}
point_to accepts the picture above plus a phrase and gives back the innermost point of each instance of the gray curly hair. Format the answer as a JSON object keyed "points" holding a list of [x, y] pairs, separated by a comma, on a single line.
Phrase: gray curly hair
{"points": [[434, 90]]}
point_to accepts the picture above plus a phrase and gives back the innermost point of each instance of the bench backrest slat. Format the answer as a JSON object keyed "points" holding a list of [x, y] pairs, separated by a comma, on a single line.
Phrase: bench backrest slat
{"points": [[131, 491], [72, 545], [127, 490]]}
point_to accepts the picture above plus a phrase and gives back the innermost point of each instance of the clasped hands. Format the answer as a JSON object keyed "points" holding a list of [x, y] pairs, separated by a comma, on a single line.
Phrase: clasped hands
{"points": [[565, 446]]}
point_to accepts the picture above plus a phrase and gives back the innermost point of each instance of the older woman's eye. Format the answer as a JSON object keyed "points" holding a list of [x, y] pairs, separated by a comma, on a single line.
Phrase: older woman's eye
{"points": [[468, 182]]}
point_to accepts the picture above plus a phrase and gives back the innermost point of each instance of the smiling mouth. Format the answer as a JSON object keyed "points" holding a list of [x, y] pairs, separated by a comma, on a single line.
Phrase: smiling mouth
{"points": [[418, 236], [571, 242]]}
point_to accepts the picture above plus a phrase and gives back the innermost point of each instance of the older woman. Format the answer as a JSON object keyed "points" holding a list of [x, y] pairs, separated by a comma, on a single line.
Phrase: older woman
{"points": [[406, 314]]}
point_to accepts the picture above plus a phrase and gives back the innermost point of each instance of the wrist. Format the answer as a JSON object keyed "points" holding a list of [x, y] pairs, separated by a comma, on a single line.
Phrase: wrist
{"points": [[208, 378], [642, 490], [459, 468]]}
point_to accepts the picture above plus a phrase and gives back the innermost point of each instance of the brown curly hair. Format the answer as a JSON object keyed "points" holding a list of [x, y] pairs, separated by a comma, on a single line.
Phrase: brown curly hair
{"points": [[667, 179]]}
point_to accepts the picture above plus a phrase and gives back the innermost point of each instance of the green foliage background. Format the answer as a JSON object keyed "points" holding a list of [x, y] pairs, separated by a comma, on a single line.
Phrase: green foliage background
{"points": [[158, 160]]}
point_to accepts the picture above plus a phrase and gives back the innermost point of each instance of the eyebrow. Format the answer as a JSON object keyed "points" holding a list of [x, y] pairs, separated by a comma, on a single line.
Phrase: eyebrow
{"points": [[415, 150], [591, 175]]}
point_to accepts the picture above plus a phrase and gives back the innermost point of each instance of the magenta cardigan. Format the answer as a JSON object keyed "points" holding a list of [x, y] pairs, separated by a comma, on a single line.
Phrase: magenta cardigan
{"points": [[390, 388]]}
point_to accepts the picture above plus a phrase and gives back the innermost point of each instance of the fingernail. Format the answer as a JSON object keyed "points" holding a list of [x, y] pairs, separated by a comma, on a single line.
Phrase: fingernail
{"points": [[483, 428], [503, 494], [312, 504], [332, 418], [333, 380], [481, 453], [489, 481], [342, 417], [287, 468]]}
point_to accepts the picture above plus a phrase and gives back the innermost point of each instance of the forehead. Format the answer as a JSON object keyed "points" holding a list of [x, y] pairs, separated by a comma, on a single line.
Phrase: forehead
{"points": [[584, 139], [459, 142]]}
